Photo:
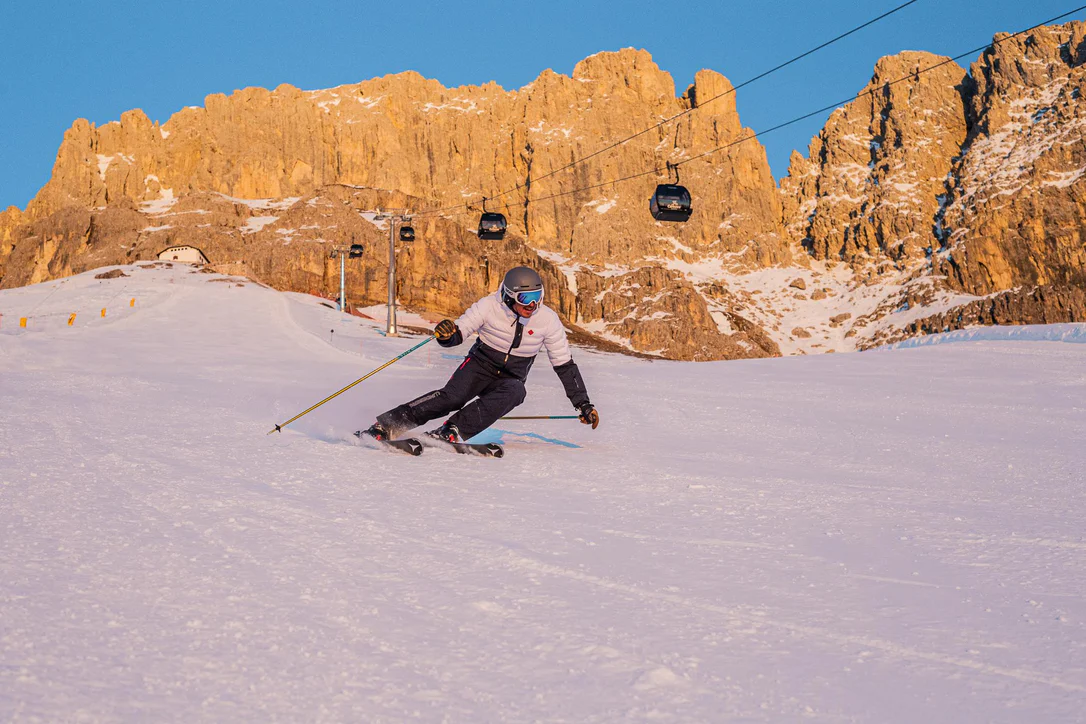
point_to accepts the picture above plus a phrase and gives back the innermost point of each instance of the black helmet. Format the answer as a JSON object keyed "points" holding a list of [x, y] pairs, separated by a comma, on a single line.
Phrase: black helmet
{"points": [[522, 285]]}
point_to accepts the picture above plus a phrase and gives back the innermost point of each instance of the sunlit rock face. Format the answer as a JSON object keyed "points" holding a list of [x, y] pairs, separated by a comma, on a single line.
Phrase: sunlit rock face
{"points": [[934, 191]]}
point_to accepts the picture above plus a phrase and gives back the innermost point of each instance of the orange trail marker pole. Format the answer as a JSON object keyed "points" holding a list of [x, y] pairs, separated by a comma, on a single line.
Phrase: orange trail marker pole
{"points": [[22, 322], [133, 302], [71, 320], [103, 311]]}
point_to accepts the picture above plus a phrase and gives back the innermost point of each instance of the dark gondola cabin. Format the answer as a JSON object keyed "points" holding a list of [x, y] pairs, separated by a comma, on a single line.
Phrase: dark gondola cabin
{"points": [[356, 251], [407, 233], [671, 202], [492, 226]]}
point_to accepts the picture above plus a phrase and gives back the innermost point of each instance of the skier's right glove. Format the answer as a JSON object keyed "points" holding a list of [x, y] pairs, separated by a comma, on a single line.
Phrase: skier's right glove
{"points": [[589, 416], [445, 330]]}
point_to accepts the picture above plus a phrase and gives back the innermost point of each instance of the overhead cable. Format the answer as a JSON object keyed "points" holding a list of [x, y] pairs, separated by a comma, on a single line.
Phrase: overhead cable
{"points": [[702, 104], [871, 91], [911, 76], [664, 122]]}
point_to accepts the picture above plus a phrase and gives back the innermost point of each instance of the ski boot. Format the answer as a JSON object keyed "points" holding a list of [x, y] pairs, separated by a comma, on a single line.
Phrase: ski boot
{"points": [[410, 446], [448, 437], [446, 433], [377, 432]]}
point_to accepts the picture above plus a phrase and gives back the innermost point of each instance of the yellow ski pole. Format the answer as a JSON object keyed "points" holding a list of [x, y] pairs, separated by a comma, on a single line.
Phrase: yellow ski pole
{"points": [[279, 428]]}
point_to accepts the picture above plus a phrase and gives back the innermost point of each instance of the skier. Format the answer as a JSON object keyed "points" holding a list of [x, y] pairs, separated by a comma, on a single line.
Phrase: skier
{"points": [[513, 326]]}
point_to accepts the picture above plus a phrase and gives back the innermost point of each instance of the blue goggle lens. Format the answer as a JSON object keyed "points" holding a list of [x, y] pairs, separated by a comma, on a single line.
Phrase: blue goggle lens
{"points": [[529, 298]]}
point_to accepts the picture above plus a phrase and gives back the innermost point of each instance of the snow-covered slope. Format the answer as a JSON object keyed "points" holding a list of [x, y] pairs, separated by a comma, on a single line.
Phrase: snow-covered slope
{"points": [[893, 536]]}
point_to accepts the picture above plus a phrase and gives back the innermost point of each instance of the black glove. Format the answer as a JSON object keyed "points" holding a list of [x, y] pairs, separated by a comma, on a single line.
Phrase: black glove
{"points": [[589, 416], [445, 329]]}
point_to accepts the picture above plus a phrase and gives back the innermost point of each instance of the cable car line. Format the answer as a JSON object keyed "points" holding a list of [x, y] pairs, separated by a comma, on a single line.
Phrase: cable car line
{"points": [[687, 111], [706, 102], [657, 170], [880, 88]]}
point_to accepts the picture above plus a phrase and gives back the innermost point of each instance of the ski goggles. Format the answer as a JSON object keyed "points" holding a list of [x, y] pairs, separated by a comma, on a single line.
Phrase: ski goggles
{"points": [[528, 299]]}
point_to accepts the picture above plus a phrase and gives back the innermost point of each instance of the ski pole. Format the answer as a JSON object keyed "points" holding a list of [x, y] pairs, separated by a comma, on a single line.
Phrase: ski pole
{"points": [[541, 417], [279, 428]]}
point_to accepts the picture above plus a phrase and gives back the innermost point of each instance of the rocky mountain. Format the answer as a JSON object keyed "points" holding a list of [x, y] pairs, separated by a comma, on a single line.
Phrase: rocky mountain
{"points": [[952, 196], [938, 198]]}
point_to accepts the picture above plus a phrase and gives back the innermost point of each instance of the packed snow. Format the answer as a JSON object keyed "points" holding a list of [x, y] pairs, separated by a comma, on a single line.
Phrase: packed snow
{"points": [[878, 537]]}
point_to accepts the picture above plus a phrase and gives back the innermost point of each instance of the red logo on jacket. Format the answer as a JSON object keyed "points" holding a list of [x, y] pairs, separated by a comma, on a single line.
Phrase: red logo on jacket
{"points": [[531, 331]]}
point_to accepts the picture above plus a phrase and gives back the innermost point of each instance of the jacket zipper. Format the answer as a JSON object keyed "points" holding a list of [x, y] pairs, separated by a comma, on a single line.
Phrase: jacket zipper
{"points": [[516, 321]]}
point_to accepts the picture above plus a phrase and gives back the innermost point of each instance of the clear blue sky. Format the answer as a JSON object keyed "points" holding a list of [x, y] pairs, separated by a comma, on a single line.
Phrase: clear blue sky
{"points": [[65, 60]]}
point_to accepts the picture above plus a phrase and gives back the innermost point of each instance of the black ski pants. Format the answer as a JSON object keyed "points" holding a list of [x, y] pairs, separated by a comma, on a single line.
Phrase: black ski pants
{"points": [[498, 394]]}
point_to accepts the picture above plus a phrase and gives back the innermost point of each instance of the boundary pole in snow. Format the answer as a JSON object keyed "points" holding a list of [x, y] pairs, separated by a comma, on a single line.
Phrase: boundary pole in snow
{"points": [[279, 428]]}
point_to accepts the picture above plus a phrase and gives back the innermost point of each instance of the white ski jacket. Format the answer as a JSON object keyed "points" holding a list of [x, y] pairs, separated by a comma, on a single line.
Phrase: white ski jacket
{"points": [[496, 325], [508, 344]]}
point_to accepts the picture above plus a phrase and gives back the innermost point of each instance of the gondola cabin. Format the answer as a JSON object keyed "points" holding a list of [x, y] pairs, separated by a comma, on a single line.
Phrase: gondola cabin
{"points": [[407, 233], [492, 226], [671, 202], [356, 251]]}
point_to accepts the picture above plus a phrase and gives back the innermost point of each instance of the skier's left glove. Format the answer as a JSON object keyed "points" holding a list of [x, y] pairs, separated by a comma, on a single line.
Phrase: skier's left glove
{"points": [[589, 416]]}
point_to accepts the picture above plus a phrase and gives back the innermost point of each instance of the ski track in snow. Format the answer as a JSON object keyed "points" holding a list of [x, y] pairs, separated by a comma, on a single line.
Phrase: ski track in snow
{"points": [[891, 536]]}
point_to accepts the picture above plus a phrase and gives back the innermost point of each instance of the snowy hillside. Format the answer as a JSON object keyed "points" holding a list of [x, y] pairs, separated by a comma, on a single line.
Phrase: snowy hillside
{"points": [[895, 536]]}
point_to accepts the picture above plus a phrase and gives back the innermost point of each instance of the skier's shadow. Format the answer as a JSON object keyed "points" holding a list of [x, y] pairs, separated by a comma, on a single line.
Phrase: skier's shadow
{"points": [[503, 437]]}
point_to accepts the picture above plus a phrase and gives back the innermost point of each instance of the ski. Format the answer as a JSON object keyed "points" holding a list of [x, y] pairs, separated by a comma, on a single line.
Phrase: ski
{"points": [[486, 449], [408, 445], [414, 446]]}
